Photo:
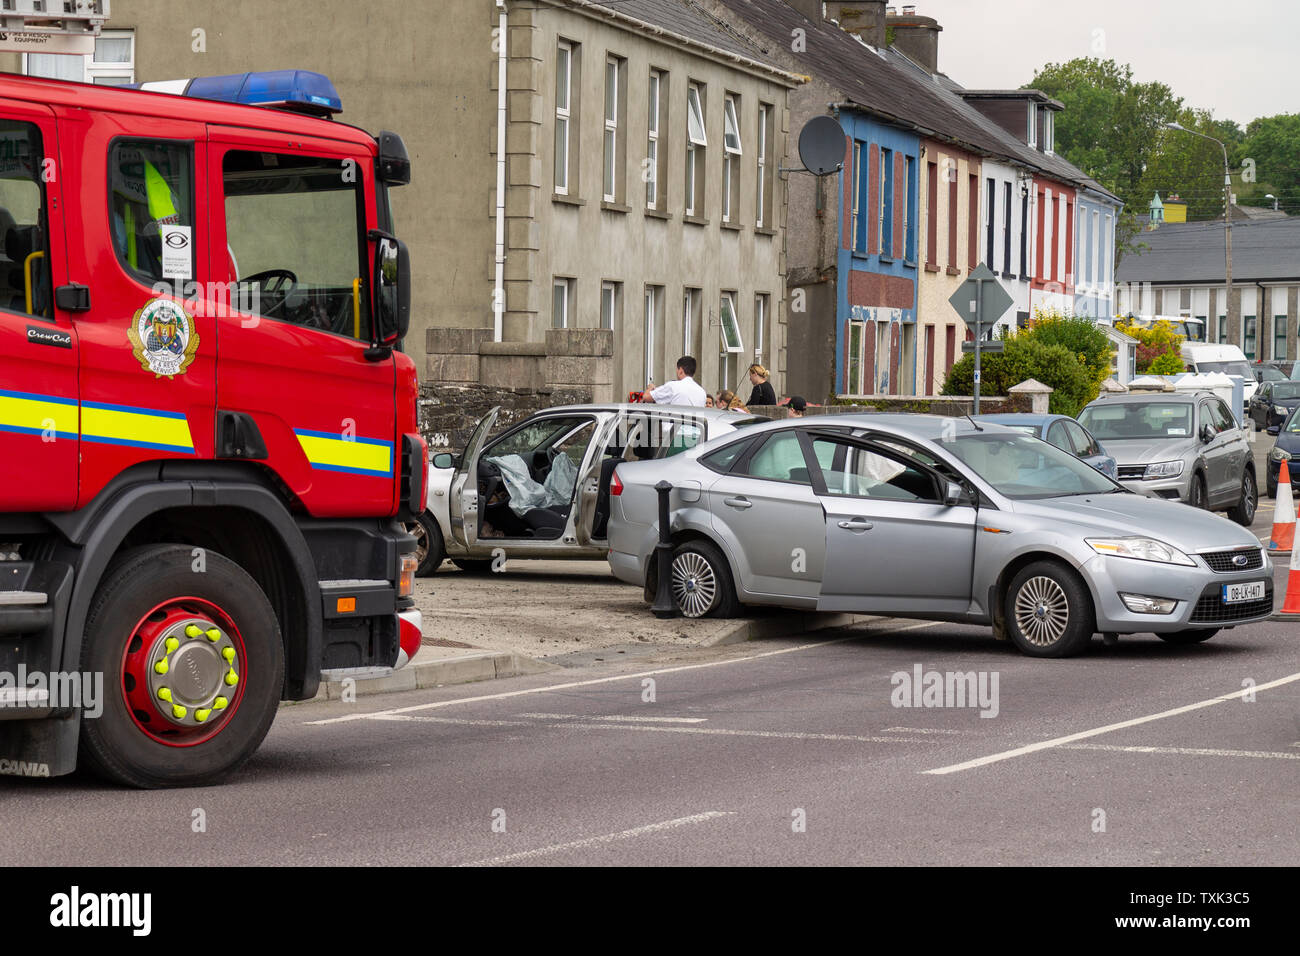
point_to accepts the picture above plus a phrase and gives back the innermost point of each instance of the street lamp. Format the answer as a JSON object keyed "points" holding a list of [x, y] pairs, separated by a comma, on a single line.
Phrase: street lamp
{"points": [[1227, 223], [1272, 197]]}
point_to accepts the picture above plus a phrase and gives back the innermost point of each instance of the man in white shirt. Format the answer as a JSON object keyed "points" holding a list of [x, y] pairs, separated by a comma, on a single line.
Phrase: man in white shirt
{"points": [[684, 391]]}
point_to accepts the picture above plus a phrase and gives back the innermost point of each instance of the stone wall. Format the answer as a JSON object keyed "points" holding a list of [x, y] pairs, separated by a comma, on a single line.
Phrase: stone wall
{"points": [[449, 412]]}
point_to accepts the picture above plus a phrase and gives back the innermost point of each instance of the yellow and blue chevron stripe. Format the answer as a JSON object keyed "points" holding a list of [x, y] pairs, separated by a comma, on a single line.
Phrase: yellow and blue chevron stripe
{"points": [[327, 451], [30, 413]]}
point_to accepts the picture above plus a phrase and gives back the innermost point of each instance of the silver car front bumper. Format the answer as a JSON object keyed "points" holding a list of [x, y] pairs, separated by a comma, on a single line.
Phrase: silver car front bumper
{"points": [[1197, 590]]}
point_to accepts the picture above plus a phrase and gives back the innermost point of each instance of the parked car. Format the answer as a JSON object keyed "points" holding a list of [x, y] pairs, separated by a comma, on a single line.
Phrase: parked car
{"points": [[541, 489], [919, 516], [1277, 370], [1063, 432], [1286, 448], [1184, 446], [1204, 357], [1272, 403]]}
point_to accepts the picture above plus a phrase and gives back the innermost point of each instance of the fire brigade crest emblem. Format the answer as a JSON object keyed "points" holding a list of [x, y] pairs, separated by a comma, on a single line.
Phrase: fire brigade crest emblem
{"points": [[163, 338]]}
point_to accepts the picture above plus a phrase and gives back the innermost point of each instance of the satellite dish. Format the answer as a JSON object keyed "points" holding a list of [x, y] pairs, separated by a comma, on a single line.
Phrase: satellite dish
{"points": [[821, 146]]}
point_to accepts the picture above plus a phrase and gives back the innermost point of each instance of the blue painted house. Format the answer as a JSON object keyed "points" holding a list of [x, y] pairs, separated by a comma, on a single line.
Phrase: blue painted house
{"points": [[876, 307]]}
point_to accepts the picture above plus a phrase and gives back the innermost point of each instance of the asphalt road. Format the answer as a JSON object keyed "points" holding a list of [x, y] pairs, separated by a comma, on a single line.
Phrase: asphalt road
{"points": [[773, 752]]}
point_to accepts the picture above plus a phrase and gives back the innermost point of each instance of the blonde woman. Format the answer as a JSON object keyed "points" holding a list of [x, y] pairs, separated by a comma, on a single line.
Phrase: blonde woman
{"points": [[728, 401], [764, 393]]}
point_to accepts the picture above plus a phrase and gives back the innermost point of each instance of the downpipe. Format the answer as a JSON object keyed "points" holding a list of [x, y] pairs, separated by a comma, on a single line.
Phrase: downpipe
{"points": [[498, 288]]}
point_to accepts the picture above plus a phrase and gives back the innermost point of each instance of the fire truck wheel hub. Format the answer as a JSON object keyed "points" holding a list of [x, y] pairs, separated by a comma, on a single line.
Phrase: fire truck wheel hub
{"points": [[183, 672]]}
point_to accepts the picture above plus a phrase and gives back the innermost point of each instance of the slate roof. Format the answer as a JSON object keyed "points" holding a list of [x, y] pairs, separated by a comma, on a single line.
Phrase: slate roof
{"points": [[687, 19], [890, 86], [1179, 252]]}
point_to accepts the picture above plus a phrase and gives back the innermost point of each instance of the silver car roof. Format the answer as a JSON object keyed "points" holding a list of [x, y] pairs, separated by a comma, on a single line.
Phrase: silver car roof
{"points": [[709, 414]]}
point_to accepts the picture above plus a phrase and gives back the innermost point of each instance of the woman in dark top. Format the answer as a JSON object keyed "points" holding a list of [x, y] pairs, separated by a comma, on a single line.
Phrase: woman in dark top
{"points": [[764, 393]]}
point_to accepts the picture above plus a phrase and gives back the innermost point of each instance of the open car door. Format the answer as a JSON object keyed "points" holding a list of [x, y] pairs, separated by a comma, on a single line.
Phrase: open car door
{"points": [[462, 500], [593, 481]]}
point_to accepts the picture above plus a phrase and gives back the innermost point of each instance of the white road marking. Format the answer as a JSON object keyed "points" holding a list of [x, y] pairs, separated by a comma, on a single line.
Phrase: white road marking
{"points": [[919, 730], [607, 838], [1084, 734], [602, 680], [619, 718], [463, 721], [1185, 751], [722, 732]]}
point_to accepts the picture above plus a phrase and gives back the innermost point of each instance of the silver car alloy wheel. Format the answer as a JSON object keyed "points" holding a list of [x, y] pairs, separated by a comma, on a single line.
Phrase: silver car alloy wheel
{"points": [[1042, 611], [695, 586]]}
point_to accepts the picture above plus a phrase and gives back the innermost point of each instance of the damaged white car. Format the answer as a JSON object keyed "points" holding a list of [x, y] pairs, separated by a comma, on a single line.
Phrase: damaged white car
{"points": [[541, 488]]}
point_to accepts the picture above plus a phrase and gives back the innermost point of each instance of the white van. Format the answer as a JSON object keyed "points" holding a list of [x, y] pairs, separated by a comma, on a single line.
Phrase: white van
{"points": [[1203, 357]]}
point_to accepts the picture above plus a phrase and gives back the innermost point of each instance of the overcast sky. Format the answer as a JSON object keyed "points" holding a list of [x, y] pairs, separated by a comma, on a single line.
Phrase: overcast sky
{"points": [[1236, 59]]}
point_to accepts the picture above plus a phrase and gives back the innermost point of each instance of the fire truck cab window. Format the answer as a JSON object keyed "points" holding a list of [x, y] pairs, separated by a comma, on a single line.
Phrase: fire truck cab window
{"points": [[151, 198], [295, 235], [24, 266]]}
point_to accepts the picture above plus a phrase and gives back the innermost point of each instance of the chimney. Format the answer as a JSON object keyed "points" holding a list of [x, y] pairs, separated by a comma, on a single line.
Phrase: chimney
{"points": [[866, 18], [917, 37]]}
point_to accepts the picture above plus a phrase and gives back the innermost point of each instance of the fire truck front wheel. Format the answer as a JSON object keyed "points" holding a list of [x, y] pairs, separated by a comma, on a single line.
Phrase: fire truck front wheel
{"points": [[193, 668]]}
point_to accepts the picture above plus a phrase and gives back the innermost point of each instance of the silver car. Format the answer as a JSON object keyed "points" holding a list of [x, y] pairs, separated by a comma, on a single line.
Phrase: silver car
{"points": [[1181, 446], [541, 488], [945, 519]]}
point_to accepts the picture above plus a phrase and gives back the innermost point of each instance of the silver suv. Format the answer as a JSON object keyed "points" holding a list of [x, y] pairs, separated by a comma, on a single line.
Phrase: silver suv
{"points": [[1184, 446]]}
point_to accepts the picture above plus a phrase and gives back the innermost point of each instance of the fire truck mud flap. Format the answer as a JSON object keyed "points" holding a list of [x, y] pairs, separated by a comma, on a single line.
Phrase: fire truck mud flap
{"points": [[39, 748]]}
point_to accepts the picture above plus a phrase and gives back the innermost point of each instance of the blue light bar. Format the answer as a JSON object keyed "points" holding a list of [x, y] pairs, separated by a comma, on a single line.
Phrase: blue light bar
{"points": [[298, 90]]}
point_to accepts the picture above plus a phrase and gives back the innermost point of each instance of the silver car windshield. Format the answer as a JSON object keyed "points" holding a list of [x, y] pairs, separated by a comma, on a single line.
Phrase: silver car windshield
{"points": [[1227, 368], [1022, 467], [1144, 421]]}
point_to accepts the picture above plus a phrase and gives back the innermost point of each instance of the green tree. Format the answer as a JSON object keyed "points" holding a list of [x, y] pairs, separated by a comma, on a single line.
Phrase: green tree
{"points": [[1271, 149], [1188, 165], [1024, 358], [1082, 336]]}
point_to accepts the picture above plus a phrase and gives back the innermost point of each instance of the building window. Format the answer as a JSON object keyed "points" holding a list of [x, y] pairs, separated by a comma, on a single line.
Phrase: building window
{"points": [[854, 384], [1031, 128], [952, 216], [731, 342], [653, 166], [696, 145], [564, 112], [909, 209], [692, 323], [1049, 132], [990, 223], [931, 213], [883, 359], [1279, 337], [731, 153], [761, 304], [763, 197], [858, 239], [613, 117], [972, 220], [654, 323], [611, 304], [1248, 345], [1024, 231], [1006, 230], [562, 303], [112, 63], [1223, 330], [885, 209]]}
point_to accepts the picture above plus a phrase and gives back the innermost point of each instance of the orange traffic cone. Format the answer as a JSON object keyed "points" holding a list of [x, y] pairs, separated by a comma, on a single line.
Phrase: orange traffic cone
{"points": [[1282, 540], [1290, 610]]}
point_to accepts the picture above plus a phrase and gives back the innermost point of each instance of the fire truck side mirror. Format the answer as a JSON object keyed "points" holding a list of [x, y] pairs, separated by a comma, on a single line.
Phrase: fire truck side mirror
{"points": [[393, 290]]}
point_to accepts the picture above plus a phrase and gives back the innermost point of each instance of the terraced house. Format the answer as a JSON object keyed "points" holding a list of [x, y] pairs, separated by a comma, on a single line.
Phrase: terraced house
{"points": [[936, 180]]}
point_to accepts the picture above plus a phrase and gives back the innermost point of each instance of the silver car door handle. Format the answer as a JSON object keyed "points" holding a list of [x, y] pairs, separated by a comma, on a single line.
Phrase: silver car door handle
{"points": [[739, 502], [857, 524]]}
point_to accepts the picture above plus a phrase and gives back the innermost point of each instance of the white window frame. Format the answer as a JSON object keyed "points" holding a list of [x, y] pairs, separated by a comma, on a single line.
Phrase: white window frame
{"points": [[651, 315], [688, 318], [1031, 136], [1049, 133], [652, 139], [609, 303], [857, 195], [564, 114], [612, 66], [730, 132], [92, 69], [564, 285], [761, 301], [761, 199], [729, 302], [695, 140]]}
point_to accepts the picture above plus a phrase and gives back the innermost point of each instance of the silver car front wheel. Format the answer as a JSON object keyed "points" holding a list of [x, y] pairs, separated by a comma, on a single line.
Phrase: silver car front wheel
{"points": [[1042, 611], [1049, 610]]}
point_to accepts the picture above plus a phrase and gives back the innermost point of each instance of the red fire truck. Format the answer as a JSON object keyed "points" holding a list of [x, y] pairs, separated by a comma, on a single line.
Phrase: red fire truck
{"points": [[208, 438]]}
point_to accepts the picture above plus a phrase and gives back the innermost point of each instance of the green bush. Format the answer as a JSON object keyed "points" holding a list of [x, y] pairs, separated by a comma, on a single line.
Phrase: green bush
{"points": [[1167, 364], [1082, 336], [1024, 357]]}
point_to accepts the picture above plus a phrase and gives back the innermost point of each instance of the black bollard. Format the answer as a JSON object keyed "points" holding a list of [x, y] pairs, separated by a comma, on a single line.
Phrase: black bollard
{"points": [[664, 606]]}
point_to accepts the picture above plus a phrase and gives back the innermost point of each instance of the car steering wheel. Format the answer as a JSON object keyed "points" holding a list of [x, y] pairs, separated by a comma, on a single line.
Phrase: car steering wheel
{"points": [[274, 282]]}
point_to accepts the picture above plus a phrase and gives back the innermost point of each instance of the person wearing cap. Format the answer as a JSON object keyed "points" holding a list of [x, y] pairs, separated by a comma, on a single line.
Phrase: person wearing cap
{"points": [[763, 393], [798, 404]]}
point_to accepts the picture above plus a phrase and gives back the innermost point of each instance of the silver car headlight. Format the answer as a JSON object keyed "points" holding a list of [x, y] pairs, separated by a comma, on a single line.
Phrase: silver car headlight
{"points": [[1163, 469], [1278, 454], [1142, 549]]}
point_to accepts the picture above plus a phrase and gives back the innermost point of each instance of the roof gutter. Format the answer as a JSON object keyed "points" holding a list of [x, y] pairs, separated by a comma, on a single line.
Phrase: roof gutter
{"points": [[599, 12]]}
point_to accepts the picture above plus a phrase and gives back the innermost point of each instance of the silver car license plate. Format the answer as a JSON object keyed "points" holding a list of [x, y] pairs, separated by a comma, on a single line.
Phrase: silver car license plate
{"points": [[1248, 591]]}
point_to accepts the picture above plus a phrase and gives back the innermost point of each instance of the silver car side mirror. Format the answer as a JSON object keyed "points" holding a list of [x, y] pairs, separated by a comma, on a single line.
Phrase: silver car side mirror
{"points": [[953, 495]]}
